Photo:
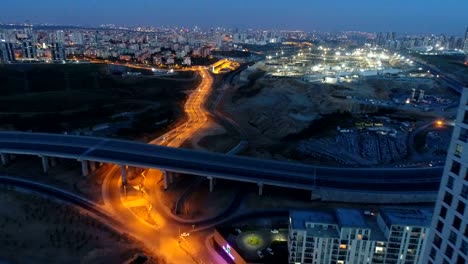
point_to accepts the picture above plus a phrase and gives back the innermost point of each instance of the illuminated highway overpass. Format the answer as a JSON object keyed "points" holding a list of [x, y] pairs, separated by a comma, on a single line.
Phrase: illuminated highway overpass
{"points": [[212, 165]]}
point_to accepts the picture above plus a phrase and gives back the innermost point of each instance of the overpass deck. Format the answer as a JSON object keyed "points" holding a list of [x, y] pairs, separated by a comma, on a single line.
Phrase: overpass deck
{"points": [[268, 172]]}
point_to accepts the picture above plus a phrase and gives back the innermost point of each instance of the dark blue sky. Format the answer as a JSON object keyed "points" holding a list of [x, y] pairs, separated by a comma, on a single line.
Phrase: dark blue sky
{"points": [[414, 16]]}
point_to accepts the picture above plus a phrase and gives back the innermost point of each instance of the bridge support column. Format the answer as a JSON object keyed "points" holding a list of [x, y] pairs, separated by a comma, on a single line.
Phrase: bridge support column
{"points": [[165, 179], [123, 169], [53, 161], [171, 177], [92, 166], [211, 183], [45, 163], [5, 159], [84, 168], [260, 188]]}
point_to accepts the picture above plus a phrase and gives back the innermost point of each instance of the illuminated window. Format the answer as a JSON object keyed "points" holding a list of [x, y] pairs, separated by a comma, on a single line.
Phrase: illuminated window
{"points": [[359, 237], [343, 246], [458, 150], [379, 249]]}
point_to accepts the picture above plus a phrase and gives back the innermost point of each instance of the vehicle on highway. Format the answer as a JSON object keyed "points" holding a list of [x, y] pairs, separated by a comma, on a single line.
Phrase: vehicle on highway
{"points": [[185, 234], [259, 253], [368, 212], [274, 231], [238, 231]]}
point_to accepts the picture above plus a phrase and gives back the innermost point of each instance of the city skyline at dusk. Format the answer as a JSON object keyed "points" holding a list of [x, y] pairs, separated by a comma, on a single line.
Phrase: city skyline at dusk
{"points": [[336, 15], [234, 132]]}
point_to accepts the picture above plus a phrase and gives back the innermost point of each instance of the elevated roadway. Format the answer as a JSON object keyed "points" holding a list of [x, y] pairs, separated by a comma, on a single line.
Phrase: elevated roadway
{"points": [[451, 82], [268, 172]]}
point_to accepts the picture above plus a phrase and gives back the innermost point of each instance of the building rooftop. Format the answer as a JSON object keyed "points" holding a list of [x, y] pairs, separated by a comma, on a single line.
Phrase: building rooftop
{"points": [[355, 218], [376, 232], [323, 231], [350, 218], [299, 218], [407, 217]]}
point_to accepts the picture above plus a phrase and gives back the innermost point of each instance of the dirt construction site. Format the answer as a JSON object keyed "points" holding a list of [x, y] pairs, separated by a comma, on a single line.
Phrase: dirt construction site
{"points": [[370, 122]]}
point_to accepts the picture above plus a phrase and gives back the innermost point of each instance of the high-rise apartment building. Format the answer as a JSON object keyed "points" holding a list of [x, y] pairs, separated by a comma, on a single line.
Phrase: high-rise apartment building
{"points": [[236, 38], [393, 235], [60, 36], [77, 38], [57, 45], [57, 37], [29, 49], [465, 46], [448, 239], [57, 51], [7, 51]]}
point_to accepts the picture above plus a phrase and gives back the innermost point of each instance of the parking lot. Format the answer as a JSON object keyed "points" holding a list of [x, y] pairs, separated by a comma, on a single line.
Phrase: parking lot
{"points": [[250, 242]]}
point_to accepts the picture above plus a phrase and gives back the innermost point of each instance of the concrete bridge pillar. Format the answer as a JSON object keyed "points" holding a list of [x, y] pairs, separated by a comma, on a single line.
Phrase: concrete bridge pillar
{"points": [[92, 166], [165, 179], [84, 168], [5, 159], [260, 188], [211, 183], [123, 169], [171, 177], [45, 163], [53, 161]]}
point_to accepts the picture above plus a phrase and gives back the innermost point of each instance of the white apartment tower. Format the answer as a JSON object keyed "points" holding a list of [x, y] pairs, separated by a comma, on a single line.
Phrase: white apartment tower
{"points": [[77, 38], [448, 239], [348, 236]]}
